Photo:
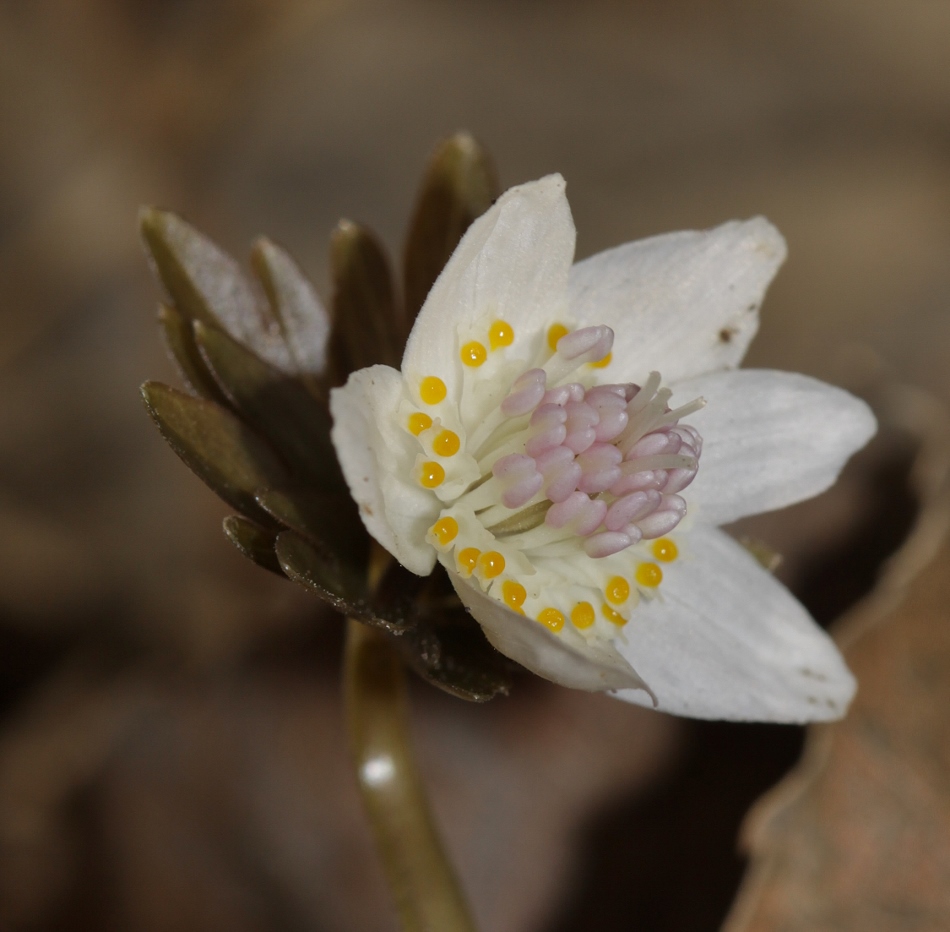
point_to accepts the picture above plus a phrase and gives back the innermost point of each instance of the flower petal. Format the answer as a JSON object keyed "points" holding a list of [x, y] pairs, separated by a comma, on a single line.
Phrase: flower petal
{"points": [[374, 453], [684, 303], [770, 439], [512, 263], [726, 641], [594, 667]]}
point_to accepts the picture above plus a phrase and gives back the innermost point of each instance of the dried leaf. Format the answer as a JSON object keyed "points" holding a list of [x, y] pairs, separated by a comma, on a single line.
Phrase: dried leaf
{"points": [[205, 283], [219, 448], [254, 541], [455, 657], [344, 589], [329, 521], [275, 404], [180, 340], [367, 325], [459, 185], [302, 317], [858, 836]]}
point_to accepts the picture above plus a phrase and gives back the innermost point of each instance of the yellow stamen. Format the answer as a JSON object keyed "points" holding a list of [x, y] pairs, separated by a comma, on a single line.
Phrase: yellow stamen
{"points": [[432, 390], [617, 590], [513, 593], [582, 615], [500, 334], [468, 558], [551, 618], [446, 443], [491, 564], [445, 530], [419, 422], [613, 617], [649, 574], [432, 475], [666, 550], [601, 363], [473, 354], [555, 332]]}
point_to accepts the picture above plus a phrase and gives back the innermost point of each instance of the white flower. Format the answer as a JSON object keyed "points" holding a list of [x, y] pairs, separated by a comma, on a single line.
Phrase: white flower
{"points": [[528, 445]]}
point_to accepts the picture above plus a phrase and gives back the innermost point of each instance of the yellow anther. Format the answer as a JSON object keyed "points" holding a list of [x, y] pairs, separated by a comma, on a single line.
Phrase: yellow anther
{"points": [[649, 574], [555, 332], [615, 618], [666, 550], [491, 564], [500, 333], [601, 363], [468, 558], [419, 422], [617, 590], [432, 390], [432, 475], [445, 530], [446, 443], [582, 615], [473, 354], [513, 593], [551, 618]]}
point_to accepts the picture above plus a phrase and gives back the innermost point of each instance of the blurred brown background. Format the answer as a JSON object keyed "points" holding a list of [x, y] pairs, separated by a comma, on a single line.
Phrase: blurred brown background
{"points": [[171, 752]]}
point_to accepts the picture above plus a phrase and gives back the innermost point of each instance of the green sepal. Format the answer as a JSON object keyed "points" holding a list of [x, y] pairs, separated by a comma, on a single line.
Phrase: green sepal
{"points": [[275, 404], [180, 341], [204, 283], [459, 185], [221, 450], [367, 321], [254, 541], [318, 570]]}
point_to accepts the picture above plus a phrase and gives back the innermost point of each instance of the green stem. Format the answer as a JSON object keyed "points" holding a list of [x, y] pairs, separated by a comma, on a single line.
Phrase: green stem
{"points": [[420, 876]]}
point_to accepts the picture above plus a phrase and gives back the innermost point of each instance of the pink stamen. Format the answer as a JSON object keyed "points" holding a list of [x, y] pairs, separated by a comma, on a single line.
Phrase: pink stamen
{"points": [[577, 513], [593, 343], [606, 543], [631, 508], [549, 429], [600, 468], [582, 418], [560, 471], [519, 479], [526, 393]]}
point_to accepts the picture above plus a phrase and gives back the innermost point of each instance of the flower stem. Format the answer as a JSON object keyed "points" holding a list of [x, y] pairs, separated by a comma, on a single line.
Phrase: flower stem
{"points": [[420, 876]]}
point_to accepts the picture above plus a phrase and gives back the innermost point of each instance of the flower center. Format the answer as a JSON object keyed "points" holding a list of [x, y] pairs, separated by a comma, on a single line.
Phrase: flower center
{"points": [[559, 493]]}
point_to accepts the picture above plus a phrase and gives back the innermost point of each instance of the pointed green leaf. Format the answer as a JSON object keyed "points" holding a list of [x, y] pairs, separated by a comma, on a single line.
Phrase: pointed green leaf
{"points": [[206, 284], [219, 448], [367, 323], [275, 404], [254, 541], [329, 521], [457, 659], [318, 571], [302, 317], [459, 185], [180, 341]]}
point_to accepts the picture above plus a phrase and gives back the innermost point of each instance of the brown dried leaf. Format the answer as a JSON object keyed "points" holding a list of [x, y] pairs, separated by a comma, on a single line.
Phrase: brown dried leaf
{"points": [[254, 541], [367, 322], [858, 837], [180, 340], [303, 319], [225, 454], [460, 184], [205, 283]]}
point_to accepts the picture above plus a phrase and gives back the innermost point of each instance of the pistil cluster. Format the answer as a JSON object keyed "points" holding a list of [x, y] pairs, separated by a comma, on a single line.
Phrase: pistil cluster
{"points": [[559, 498]]}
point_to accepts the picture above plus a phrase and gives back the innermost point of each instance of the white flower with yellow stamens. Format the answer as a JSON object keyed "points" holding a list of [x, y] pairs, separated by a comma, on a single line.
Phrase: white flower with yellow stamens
{"points": [[564, 441]]}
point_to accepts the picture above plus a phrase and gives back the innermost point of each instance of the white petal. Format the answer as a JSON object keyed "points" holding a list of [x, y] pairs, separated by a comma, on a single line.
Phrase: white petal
{"points": [[769, 439], [727, 641], [377, 459], [511, 264], [594, 668], [683, 303]]}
